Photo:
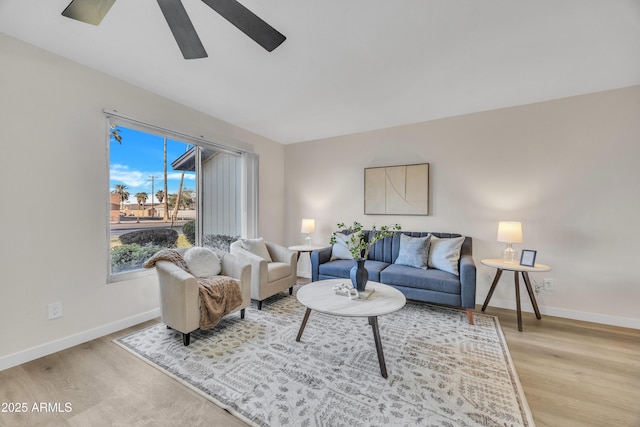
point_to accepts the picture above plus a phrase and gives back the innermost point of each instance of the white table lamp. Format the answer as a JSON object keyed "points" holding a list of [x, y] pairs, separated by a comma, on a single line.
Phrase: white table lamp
{"points": [[308, 227], [509, 232]]}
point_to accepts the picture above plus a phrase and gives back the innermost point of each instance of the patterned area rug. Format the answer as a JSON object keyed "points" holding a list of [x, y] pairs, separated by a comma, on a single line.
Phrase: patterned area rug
{"points": [[442, 371]]}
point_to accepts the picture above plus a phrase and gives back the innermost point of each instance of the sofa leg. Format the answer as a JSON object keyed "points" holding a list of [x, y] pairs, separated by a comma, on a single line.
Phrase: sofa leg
{"points": [[186, 339], [259, 305], [291, 290], [470, 316], [242, 313]]}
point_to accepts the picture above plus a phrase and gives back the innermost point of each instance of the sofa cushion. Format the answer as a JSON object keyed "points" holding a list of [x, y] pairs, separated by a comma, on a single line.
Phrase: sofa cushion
{"points": [[444, 254], [374, 268], [277, 271], [414, 251], [432, 279], [256, 247], [202, 262], [342, 268], [336, 268]]}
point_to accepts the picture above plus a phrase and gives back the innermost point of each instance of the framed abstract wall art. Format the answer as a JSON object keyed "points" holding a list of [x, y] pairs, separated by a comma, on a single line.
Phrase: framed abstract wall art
{"points": [[397, 190]]}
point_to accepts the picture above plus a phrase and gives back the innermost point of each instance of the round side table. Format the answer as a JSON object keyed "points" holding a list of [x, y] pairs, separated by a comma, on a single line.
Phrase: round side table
{"points": [[301, 249], [306, 248], [501, 266]]}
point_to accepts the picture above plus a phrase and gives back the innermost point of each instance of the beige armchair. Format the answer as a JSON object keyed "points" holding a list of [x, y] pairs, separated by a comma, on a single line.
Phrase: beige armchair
{"points": [[180, 297], [268, 277]]}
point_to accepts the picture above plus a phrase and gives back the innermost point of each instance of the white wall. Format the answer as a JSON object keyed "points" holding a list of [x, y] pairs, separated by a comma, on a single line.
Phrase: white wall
{"points": [[568, 169], [54, 154]]}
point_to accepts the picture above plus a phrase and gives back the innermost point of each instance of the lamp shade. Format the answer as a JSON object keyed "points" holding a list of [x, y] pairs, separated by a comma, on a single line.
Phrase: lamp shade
{"points": [[510, 232], [308, 226]]}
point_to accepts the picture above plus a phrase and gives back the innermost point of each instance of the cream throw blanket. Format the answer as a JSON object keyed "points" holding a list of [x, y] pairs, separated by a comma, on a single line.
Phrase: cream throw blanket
{"points": [[219, 295]]}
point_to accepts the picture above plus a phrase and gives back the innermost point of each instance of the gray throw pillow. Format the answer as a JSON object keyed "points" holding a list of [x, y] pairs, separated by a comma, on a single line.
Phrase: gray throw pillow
{"points": [[414, 251], [444, 254]]}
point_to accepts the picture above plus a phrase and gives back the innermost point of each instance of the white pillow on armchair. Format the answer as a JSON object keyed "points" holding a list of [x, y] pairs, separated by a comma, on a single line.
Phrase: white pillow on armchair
{"points": [[256, 247], [202, 262]]}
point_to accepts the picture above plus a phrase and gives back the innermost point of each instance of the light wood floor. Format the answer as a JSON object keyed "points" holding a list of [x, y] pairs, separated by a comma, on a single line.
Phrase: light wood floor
{"points": [[573, 374]]}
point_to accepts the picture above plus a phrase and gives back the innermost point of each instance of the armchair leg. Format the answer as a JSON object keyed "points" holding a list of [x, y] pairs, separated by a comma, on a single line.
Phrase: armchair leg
{"points": [[186, 339], [259, 305], [291, 290], [470, 316], [242, 313]]}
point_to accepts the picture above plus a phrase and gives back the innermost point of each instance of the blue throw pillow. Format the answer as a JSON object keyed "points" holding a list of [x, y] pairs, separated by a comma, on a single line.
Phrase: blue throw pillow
{"points": [[414, 251]]}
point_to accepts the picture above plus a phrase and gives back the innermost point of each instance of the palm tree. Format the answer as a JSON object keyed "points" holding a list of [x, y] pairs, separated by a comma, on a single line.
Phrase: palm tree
{"points": [[121, 190], [177, 206], [160, 195], [142, 199], [115, 134], [165, 211]]}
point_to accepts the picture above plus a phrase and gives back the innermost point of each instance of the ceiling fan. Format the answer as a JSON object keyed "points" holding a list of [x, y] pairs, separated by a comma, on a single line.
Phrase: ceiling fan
{"points": [[92, 12]]}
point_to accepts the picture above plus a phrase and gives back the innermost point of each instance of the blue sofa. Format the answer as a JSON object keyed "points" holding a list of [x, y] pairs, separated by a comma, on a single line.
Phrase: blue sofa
{"points": [[429, 285]]}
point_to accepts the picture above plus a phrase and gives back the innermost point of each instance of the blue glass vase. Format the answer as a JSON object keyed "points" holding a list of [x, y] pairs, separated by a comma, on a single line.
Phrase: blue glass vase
{"points": [[359, 275]]}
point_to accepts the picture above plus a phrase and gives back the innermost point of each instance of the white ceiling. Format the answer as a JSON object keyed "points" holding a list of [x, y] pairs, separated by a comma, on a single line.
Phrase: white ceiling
{"points": [[353, 65]]}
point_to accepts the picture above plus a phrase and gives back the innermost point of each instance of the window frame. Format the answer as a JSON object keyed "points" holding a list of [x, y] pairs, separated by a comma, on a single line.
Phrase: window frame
{"points": [[249, 183]]}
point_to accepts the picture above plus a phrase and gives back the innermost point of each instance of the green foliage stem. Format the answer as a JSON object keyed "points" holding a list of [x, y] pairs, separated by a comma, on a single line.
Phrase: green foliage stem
{"points": [[357, 243]]}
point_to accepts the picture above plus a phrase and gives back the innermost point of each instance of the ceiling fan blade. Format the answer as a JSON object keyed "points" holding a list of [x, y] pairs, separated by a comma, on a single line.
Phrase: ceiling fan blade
{"points": [[182, 29], [89, 11], [247, 22]]}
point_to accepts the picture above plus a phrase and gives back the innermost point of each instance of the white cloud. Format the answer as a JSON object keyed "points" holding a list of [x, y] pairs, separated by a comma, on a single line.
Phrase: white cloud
{"points": [[131, 178], [176, 175], [140, 181], [136, 178]]}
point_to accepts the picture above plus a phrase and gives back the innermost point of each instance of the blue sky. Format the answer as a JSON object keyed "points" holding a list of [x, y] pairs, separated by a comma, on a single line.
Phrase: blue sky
{"points": [[139, 157]]}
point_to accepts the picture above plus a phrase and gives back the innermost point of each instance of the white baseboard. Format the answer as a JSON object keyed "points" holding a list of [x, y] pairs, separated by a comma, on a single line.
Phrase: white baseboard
{"points": [[584, 316], [37, 352], [33, 353]]}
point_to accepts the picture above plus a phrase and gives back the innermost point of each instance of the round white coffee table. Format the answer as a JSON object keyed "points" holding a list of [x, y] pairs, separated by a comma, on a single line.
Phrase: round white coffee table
{"points": [[502, 265], [320, 296]]}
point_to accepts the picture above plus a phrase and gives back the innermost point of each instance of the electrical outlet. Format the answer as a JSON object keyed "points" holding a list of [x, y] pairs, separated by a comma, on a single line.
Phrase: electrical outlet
{"points": [[55, 310], [548, 284]]}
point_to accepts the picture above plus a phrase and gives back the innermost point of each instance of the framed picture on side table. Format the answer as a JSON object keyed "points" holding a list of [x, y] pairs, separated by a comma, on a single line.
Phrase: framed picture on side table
{"points": [[528, 258]]}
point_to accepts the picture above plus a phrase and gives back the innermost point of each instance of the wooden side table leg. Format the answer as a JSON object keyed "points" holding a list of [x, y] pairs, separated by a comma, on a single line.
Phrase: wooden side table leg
{"points": [[532, 296], [518, 301], [304, 323], [493, 288], [373, 321]]}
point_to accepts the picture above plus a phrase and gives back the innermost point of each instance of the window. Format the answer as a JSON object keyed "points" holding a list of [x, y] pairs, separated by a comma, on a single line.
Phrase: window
{"points": [[168, 190]]}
